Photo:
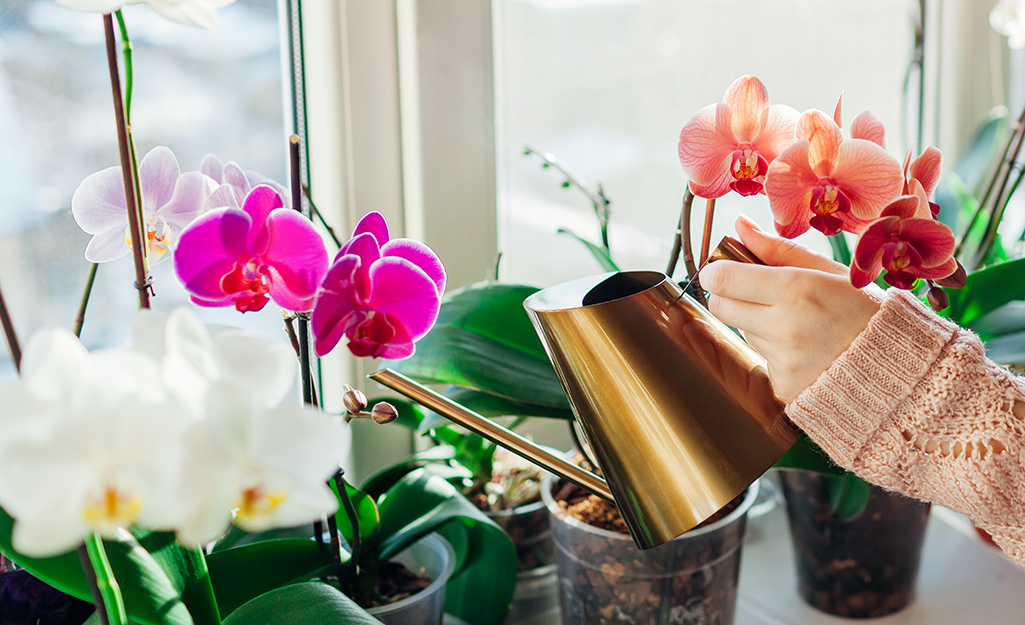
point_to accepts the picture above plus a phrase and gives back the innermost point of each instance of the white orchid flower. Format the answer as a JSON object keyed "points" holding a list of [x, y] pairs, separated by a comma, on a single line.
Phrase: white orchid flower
{"points": [[170, 201], [1008, 19], [268, 467], [90, 444], [200, 13], [235, 184]]}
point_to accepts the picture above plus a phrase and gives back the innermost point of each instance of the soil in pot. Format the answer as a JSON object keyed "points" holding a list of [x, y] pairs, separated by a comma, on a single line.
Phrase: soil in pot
{"points": [[606, 579], [394, 583], [863, 567]]}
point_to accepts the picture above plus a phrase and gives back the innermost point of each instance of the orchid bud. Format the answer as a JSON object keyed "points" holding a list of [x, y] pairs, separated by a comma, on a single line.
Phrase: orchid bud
{"points": [[384, 412], [938, 298], [354, 400]]}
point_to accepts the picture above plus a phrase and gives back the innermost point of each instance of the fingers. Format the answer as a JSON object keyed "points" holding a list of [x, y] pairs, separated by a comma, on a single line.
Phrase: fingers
{"points": [[758, 284], [773, 250]]}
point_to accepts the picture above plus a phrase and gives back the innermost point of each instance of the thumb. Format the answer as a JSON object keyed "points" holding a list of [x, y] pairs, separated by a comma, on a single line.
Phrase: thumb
{"points": [[776, 251]]}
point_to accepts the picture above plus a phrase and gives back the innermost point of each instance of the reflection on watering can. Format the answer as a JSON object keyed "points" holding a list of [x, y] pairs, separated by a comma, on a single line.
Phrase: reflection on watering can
{"points": [[677, 408]]}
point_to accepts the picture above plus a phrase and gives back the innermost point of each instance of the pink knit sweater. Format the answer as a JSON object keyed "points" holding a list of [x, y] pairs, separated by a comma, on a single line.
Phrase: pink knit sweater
{"points": [[914, 406]]}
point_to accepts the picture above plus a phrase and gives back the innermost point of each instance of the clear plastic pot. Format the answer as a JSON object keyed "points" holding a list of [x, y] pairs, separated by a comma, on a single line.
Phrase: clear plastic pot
{"points": [[431, 556], [605, 579]]}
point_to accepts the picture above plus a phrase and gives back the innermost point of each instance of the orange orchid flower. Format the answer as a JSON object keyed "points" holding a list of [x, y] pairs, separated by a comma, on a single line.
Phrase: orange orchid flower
{"points": [[728, 146], [825, 182]]}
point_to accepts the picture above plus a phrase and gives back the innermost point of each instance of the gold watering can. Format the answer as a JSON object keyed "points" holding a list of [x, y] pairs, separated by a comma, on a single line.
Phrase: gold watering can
{"points": [[676, 407]]}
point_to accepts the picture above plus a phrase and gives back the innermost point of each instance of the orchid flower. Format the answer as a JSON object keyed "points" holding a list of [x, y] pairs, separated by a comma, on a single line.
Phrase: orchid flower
{"points": [[90, 444], [382, 294], [249, 255], [825, 182], [267, 466], [200, 13], [234, 184], [1008, 19], [906, 242], [926, 170], [170, 200], [728, 146]]}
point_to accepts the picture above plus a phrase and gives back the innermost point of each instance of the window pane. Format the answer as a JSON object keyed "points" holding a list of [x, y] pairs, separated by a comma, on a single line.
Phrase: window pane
{"points": [[195, 91], [607, 85]]}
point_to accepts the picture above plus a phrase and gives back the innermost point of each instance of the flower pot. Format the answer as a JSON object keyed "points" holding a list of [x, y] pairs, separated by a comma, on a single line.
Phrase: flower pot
{"points": [[431, 556], [863, 567], [536, 597], [605, 578]]}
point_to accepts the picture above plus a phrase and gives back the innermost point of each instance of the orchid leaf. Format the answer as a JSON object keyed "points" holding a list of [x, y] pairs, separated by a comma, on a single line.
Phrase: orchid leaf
{"points": [[366, 513], [490, 405], [848, 495], [987, 290], [301, 604], [600, 253], [806, 455], [243, 573], [481, 588], [378, 484], [150, 596], [1008, 349], [484, 340]]}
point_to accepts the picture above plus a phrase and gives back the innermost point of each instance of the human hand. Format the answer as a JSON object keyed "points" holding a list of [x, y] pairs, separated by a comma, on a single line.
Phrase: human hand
{"points": [[799, 311]]}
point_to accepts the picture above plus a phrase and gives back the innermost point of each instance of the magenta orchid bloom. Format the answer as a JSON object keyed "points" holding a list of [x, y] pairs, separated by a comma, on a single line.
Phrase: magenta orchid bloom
{"points": [[249, 255], [825, 182], [906, 242], [234, 184], [728, 146], [382, 294], [170, 200]]}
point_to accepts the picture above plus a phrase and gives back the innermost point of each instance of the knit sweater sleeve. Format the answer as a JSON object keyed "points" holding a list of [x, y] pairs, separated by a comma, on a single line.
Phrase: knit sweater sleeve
{"points": [[914, 406]]}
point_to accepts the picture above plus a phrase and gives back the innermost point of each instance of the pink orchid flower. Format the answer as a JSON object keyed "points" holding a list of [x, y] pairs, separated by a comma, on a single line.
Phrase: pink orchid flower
{"points": [[728, 146], [170, 200], [382, 294], [926, 170], [249, 255], [234, 184], [825, 182], [906, 242]]}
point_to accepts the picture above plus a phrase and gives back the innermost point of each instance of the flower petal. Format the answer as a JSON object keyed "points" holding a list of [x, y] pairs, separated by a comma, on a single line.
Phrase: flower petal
{"points": [[258, 205], [92, 6], [213, 167], [868, 175], [199, 13], [405, 293], [420, 255], [926, 169], [823, 137], [930, 238], [209, 248], [373, 223], [789, 183], [778, 134], [158, 175], [866, 126], [99, 202], [107, 246], [366, 247], [190, 194], [51, 362], [706, 145], [336, 300], [297, 254], [748, 100]]}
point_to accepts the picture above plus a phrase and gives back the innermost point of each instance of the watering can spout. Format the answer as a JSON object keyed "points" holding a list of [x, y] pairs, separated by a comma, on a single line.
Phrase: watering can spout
{"points": [[676, 407]]}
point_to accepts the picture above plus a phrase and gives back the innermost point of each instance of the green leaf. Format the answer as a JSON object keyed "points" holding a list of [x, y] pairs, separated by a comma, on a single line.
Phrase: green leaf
{"points": [[480, 590], [1008, 349], [848, 495], [484, 340], [378, 484], [600, 253], [806, 455], [489, 405], [187, 570], [244, 573], [986, 290], [149, 595], [366, 513], [301, 604]]}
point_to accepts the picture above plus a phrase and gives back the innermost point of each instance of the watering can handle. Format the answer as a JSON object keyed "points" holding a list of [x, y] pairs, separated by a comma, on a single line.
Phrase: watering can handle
{"points": [[493, 432]]}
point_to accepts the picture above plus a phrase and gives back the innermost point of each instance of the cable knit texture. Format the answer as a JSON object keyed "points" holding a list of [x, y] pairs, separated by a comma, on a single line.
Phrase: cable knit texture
{"points": [[914, 406]]}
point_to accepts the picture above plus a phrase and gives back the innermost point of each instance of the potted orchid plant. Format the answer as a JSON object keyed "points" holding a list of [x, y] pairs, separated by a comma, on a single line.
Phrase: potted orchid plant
{"points": [[175, 481]]}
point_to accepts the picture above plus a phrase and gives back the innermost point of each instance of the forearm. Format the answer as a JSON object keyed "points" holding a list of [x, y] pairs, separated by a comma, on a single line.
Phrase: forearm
{"points": [[914, 406]]}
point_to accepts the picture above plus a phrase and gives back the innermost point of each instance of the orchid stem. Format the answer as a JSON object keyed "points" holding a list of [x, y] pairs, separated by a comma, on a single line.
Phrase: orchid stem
{"points": [[142, 279], [597, 196], [1002, 197], [706, 234], [9, 333], [105, 591], [841, 251], [323, 222], [86, 293], [357, 541]]}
